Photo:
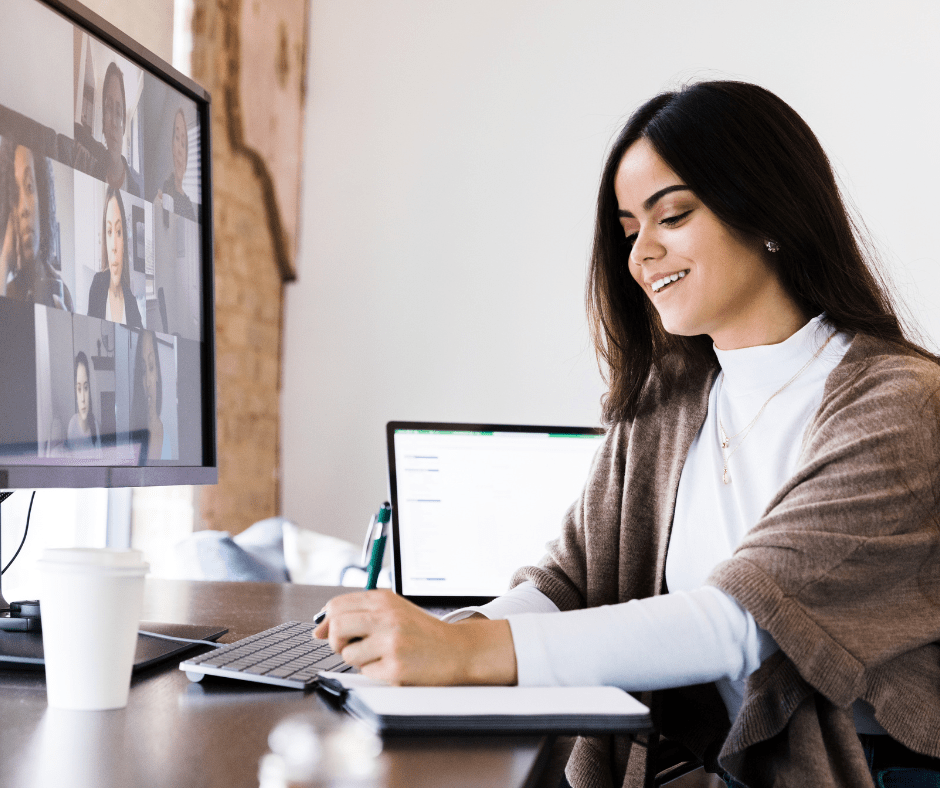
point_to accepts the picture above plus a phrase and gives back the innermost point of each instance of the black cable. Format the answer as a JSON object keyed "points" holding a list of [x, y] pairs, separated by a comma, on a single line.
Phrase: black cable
{"points": [[212, 643], [25, 531]]}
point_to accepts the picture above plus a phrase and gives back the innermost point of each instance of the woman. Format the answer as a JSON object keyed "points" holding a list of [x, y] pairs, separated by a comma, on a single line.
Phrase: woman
{"points": [[113, 167], [82, 430], [148, 397], [758, 540], [173, 186], [110, 296], [28, 249]]}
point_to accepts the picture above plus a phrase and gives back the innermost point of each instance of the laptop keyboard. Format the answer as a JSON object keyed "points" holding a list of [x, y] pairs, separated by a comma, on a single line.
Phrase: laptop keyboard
{"points": [[286, 655]]}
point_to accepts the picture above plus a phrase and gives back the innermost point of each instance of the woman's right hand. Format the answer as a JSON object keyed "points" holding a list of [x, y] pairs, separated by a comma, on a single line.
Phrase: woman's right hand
{"points": [[388, 638]]}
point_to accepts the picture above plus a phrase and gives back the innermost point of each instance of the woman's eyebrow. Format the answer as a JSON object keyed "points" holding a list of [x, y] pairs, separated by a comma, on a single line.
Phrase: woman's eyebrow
{"points": [[652, 200]]}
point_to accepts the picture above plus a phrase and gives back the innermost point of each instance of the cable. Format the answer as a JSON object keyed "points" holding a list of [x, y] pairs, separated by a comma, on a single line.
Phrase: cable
{"points": [[25, 531], [22, 660], [181, 640]]}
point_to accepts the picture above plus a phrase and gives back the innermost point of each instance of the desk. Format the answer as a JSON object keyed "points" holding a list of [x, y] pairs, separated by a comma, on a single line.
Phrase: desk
{"points": [[174, 733]]}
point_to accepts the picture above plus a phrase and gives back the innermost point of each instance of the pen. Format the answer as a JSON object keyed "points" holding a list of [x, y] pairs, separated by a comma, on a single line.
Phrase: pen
{"points": [[378, 546], [378, 527]]}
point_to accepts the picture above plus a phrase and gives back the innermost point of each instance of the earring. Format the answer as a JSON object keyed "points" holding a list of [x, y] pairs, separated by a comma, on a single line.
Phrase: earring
{"points": [[772, 246]]}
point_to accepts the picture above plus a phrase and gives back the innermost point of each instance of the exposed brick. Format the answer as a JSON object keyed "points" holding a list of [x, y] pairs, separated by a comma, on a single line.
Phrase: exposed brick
{"points": [[249, 297]]}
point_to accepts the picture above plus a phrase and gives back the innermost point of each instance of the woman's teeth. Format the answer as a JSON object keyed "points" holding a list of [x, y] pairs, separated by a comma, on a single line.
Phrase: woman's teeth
{"points": [[659, 284]]}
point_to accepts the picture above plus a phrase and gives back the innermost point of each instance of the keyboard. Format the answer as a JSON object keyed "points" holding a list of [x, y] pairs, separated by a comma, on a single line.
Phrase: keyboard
{"points": [[286, 655]]}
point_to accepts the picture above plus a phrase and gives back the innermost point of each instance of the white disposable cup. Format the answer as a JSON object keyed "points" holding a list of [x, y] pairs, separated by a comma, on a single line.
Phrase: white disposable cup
{"points": [[90, 603]]}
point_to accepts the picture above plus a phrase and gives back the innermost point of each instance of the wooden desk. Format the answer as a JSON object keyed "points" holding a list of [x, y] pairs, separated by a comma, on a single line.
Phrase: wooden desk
{"points": [[175, 733]]}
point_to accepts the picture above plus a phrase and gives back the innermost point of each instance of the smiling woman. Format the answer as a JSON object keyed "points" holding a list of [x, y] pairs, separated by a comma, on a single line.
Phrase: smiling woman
{"points": [[756, 544]]}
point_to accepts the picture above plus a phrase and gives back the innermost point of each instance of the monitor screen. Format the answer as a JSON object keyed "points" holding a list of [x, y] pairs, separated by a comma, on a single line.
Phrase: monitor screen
{"points": [[106, 327], [461, 491]]}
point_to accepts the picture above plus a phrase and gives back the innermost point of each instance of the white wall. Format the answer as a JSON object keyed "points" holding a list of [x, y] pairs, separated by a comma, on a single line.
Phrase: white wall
{"points": [[453, 151]]}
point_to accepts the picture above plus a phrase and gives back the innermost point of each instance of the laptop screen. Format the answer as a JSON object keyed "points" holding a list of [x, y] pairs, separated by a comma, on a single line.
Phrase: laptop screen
{"points": [[473, 503]]}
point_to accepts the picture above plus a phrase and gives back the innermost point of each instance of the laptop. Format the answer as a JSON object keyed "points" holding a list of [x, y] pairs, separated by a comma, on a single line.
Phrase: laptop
{"points": [[471, 503]]}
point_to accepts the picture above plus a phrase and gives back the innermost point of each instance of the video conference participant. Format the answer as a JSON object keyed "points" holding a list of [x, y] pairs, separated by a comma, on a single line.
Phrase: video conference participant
{"points": [[82, 435], [110, 296], [757, 540], [147, 403], [29, 230], [8, 200], [113, 167], [173, 185]]}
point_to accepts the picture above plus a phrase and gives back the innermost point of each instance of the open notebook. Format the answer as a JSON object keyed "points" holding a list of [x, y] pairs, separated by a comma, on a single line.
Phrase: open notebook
{"points": [[510, 710]]}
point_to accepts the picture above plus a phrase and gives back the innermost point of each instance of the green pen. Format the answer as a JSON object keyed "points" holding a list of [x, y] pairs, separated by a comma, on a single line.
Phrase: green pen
{"points": [[378, 546]]}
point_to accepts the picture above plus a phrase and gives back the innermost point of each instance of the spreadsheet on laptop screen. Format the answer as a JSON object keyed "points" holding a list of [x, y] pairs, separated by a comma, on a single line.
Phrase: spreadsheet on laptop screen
{"points": [[475, 506]]}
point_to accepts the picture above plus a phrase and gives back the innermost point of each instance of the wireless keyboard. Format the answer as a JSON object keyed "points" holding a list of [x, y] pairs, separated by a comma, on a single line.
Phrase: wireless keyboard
{"points": [[286, 655]]}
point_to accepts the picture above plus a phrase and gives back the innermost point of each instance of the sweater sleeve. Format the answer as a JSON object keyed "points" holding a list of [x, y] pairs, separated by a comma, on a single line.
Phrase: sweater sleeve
{"points": [[673, 640], [842, 568]]}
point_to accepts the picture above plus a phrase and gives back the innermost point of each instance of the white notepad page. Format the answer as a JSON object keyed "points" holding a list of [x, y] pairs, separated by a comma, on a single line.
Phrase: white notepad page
{"points": [[385, 700]]}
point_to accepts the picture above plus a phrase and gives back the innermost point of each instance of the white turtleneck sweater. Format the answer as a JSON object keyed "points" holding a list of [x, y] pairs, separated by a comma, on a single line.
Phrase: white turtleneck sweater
{"points": [[695, 633]]}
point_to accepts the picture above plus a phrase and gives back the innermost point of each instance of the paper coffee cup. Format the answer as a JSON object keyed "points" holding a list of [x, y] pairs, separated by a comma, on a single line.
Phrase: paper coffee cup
{"points": [[91, 603]]}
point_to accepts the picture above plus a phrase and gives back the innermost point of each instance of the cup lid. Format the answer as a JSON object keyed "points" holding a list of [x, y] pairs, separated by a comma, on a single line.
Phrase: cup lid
{"points": [[94, 556]]}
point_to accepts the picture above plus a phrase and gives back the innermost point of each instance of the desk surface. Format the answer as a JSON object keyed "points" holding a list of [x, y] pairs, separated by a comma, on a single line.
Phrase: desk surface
{"points": [[175, 733]]}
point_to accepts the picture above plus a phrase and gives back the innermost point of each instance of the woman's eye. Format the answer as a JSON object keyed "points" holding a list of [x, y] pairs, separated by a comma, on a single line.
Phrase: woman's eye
{"points": [[669, 221], [631, 238]]}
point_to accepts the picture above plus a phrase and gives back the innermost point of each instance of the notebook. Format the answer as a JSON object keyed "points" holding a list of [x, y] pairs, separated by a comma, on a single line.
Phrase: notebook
{"points": [[487, 710], [471, 503]]}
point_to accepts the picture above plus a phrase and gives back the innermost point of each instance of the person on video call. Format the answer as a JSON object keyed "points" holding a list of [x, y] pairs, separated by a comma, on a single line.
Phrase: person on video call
{"points": [[110, 296], [8, 199], [82, 435], [148, 397], [757, 542], [173, 186], [26, 255], [113, 167]]}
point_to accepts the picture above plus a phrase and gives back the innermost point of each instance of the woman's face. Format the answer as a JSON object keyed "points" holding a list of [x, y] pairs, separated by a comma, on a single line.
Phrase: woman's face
{"points": [[27, 210], [114, 242], [151, 378], [82, 393], [113, 110], [701, 276], [180, 147]]}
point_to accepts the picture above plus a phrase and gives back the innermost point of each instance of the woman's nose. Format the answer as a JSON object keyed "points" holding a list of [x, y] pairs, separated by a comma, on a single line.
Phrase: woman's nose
{"points": [[645, 249]]}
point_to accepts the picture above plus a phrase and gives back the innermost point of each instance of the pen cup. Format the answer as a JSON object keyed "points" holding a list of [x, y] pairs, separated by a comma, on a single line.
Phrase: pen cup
{"points": [[91, 604]]}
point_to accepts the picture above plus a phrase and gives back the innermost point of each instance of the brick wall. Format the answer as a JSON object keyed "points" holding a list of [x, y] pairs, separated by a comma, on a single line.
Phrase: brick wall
{"points": [[249, 292]]}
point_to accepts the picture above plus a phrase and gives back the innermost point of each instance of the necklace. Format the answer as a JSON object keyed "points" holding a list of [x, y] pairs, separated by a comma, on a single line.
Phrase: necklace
{"points": [[725, 440]]}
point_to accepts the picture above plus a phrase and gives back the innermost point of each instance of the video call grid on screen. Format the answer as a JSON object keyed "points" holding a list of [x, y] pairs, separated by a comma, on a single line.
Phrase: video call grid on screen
{"points": [[105, 358], [474, 506]]}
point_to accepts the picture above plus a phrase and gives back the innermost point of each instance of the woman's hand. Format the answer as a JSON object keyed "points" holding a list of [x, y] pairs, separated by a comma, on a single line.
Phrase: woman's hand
{"points": [[388, 638]]}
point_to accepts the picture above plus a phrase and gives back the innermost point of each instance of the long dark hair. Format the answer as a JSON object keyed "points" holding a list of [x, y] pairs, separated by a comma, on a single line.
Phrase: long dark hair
{"points": [[82, 360], [114, 194], [759, 168]]}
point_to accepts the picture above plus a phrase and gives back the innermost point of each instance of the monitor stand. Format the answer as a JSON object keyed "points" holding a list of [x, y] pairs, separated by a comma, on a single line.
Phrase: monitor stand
{"points": [[17, 619], [4, 605]]}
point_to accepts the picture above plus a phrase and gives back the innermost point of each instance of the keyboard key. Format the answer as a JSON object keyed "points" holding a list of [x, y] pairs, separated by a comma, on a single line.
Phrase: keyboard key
{"points": [[330, 663]]}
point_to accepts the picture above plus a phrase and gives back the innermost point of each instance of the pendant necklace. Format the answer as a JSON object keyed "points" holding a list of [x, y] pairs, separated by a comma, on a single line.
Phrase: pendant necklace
{"points": [[724, 439]]}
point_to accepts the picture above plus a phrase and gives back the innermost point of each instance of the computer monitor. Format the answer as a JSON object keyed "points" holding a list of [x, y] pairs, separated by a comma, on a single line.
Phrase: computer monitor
{"points": [[106, 299]]}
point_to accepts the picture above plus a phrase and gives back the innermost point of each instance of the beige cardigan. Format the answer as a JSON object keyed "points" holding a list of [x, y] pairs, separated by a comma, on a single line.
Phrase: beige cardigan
{"points": [[843, 569]]}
